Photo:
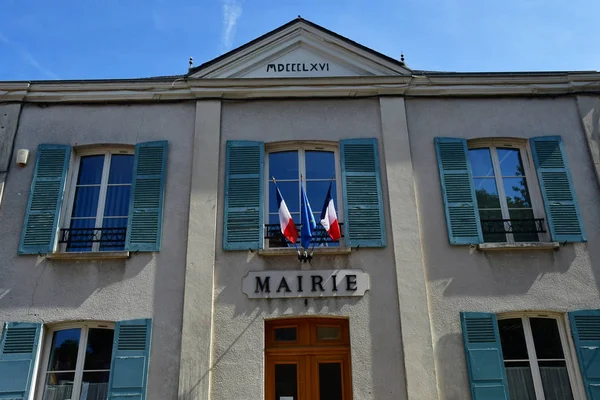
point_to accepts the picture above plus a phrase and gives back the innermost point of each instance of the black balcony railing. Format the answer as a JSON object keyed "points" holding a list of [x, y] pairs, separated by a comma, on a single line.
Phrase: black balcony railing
{"points": [[531, 225], [84, 238], [320, 236]]}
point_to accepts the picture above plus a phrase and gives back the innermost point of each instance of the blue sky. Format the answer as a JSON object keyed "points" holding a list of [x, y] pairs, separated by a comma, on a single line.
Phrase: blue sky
{"points": [[91, 39]]}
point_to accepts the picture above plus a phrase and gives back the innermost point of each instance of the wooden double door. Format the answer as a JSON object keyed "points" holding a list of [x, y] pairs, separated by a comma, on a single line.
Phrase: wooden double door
{"points": [[308, 359]]}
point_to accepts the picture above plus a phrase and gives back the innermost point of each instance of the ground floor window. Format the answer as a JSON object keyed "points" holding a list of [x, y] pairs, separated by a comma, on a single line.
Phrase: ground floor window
{"points": [[534, 358], [308, 359], [76, 362]]}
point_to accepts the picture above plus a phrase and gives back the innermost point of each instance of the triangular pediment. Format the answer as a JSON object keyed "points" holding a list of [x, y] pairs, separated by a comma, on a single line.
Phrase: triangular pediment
{"points": [[300, 49]]}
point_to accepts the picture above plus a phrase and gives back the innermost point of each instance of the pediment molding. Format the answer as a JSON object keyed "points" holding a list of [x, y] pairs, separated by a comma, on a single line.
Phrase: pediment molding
{"points": [[298, 48]]}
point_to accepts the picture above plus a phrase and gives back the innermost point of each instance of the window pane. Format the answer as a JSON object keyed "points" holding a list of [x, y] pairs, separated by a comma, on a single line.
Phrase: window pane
{"points": [[510, 162], [59, 386], [546, 338], [330, 381], [284, 165], [512, 338], [328, 333], [555, 380], [81, 235], [319, 164], [286, 381], [316, 192], [113, 239], [517, 194], [492, 226], [520, 381], [524, 225], [121, 168], [94, 386], [65, 345], [285, 334], [99, 349], [486, 193], [117, 201], [86, 201], [90, 170], [290, 193], [481, 162]]}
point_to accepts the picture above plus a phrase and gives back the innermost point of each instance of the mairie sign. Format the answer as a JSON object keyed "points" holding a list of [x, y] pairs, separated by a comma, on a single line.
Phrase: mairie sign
{"points": [[298, 284]]}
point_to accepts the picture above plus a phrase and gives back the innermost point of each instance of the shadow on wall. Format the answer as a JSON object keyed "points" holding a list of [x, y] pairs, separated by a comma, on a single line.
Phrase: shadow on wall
{"points": [[452, 376], [500, 273], [37, 282]]}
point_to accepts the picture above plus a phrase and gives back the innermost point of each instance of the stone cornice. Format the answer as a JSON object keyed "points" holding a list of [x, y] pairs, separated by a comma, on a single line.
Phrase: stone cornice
{"points": [[180, 89]]}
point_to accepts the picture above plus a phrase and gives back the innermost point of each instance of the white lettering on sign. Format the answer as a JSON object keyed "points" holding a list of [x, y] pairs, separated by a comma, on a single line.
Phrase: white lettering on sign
{"points": [[298, 67], [298, 284]]}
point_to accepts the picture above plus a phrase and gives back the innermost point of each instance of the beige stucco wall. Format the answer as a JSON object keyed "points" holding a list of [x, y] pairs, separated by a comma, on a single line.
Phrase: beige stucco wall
{"points": [[238, 322], [463, 279], [147, 285]]}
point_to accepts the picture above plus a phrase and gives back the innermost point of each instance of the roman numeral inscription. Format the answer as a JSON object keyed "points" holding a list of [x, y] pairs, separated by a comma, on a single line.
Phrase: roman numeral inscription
{"points": [[298, 67]]}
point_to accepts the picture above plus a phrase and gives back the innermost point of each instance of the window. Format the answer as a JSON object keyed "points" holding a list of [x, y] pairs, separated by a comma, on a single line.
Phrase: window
{"points": [[503, 182], [315, 167], [534, 358], [78, 362], [100, 202]]}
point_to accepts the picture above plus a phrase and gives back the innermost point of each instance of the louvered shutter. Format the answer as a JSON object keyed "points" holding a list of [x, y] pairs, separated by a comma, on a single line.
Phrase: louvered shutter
{"points": [[562, 211], [483, 351], [45, 199], [243, 211], [18, 353], [130, 360], [585, 327], [458, 193], [144, 225], [364, 225]]}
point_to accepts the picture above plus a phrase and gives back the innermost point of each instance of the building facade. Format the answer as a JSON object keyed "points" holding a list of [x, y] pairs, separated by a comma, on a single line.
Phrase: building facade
{"points": [[142, 255]]}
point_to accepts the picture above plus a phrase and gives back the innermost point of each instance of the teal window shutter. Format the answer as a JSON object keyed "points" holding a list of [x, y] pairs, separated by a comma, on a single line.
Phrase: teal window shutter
{"points": [[460, 203], [585, 327], [364, 224], [18, 353], [144, 225], [243, 212], [130, 360], [483, 351], [45, 199], [562, 211]]}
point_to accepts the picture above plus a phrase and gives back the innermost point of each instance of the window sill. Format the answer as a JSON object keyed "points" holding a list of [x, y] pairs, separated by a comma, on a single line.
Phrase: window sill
{"points": [[290, 251], [89, 255], [518, 246]]}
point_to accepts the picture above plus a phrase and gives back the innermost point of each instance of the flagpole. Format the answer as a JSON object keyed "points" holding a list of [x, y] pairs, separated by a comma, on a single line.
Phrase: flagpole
{"points": [[277, 187]]}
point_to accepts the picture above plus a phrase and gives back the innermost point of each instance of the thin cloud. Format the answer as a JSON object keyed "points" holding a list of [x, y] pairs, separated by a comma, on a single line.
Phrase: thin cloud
{"points": [[232, 11], [27, 56]]}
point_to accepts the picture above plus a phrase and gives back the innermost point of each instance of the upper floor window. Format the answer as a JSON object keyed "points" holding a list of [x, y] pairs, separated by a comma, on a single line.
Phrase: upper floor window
{"points": [[313, 166], [507, 190], [534, 358], [502, 179], [351, 166], [100, 201], [78, 362]]}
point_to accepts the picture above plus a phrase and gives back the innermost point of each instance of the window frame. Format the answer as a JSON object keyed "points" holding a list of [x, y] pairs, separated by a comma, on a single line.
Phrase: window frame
{"points": [[70, 189], [81, 351], [535, 195], [302, 147], [568, 347]]}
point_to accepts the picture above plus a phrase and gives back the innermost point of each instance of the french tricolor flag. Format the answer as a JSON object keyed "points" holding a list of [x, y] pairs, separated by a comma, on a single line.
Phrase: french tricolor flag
{"points": [[329, 219], [288, 227]]}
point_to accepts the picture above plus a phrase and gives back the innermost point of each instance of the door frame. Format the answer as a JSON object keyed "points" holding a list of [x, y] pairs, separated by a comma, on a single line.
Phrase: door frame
{"points": [[307, 351]]}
